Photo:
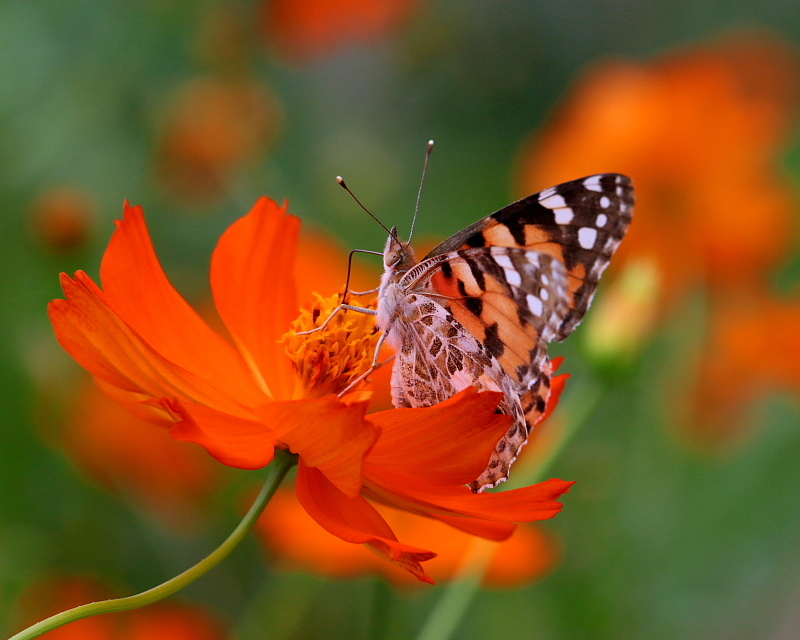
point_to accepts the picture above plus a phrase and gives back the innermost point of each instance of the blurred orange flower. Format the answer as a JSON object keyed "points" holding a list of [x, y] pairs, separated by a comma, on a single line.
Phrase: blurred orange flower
{"points": [[172, 621], [124, 452], [151, 351], [700, 132], [215, 127], [306, 30], [733, 369], [297, 541], [63, 218]]}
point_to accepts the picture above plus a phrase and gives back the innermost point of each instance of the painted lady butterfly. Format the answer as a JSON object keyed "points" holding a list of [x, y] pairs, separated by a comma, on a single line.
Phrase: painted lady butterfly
{"points": [[481, 307]]}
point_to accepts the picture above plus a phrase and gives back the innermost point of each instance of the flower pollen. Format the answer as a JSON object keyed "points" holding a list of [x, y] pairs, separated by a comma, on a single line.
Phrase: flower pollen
{"points": [[331, 359]]}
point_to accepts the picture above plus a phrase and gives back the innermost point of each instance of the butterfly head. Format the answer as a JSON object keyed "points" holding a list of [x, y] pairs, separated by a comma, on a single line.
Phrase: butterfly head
{"points": [[397, 255]]}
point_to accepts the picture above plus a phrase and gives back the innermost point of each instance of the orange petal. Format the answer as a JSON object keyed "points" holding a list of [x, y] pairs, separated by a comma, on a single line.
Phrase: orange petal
{"points": [[489, 529], [355, 520], [139, 292], [104, 344], [293, 535], [449, 443], [327, 434], [253, 283], [322, 267], [246, 444], [536, 502], [298, 541], [557, 386]]}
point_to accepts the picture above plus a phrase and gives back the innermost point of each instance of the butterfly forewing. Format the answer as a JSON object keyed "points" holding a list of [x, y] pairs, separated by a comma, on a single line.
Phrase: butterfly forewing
{"points": [[580, 223]]}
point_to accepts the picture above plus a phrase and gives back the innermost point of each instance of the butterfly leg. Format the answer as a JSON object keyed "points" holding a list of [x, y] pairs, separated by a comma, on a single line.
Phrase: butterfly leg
{"points": [[363, 293], [375, 365], [350, 271], [365, 375], [341, 307]]}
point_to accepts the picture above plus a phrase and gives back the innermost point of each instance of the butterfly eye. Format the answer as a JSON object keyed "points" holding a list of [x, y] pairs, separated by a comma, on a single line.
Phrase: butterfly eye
{"points": [[392, 258]]}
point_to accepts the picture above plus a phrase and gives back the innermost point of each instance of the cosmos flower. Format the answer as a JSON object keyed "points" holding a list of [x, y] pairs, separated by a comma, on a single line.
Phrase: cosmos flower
{"points": [[269, 386]]}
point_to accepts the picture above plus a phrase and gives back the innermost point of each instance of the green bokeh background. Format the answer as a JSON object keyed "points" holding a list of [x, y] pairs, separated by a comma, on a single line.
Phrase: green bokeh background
{"points": [[659, 541]]}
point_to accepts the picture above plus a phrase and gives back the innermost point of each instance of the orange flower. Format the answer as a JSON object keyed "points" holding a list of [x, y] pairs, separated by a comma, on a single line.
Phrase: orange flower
{"points": [[149, 350], [306, 30], [700, 132], [733, 369], [215, 127], [173, 621], [63, 218], [297, 541], [126, 454]]}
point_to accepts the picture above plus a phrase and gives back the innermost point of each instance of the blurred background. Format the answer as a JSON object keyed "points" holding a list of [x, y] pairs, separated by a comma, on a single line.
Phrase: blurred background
{"points": [[685, 519]]}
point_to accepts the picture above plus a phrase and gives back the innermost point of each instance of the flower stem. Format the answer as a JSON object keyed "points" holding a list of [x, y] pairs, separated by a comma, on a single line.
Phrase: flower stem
{"points": [[276, 472], [456, 597]]}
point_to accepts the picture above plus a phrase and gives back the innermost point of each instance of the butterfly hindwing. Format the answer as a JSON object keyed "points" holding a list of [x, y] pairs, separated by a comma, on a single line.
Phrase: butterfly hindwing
{"points": [[500, 306]]}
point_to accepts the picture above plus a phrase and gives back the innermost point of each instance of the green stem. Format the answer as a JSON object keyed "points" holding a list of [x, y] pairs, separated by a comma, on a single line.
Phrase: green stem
{"points": [[459, 593], [276, 472]]}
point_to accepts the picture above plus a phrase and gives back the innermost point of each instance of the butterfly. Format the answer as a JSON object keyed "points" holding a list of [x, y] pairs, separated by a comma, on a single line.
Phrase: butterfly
{"points": [[480, 308]]}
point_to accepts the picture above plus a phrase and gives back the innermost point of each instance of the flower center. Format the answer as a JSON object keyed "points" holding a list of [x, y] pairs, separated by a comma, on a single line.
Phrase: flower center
{"points": [[331, 359]]}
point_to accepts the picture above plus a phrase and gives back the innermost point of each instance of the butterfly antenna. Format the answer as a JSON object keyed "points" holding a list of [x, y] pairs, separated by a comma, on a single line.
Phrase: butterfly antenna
{"points": [[421, 182], [344, 186]]}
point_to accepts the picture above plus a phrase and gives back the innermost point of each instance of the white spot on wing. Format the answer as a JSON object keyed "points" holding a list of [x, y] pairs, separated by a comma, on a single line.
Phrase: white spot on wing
{"points": [[503, 260], [604, 202], [546, 193], [554, 201], [564, 216], [592, 183], [601, 220], [587, 237], [545, 280], [544, 294], [512, 277], [535, 305]]}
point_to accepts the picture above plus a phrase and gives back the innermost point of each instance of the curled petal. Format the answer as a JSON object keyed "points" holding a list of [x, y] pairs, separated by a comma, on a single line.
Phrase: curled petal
{"points": [[447, 444], [328, 434], [104, 344], [536, 502], [139, 292], [355, 520], [253, 284], [236, 442], [557, 386], [489, 529]]}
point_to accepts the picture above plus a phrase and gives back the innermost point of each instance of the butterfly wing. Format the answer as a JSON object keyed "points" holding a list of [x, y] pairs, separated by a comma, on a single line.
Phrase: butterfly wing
{"points": [[482, 317], [580, 223]]}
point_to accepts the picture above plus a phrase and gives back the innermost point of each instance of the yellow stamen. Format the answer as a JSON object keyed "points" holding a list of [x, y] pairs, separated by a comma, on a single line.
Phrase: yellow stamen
{"points": [[329, 359]]}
